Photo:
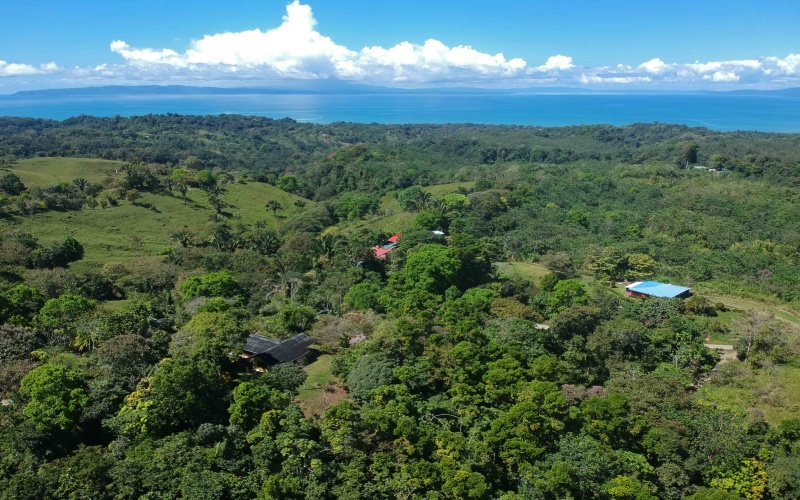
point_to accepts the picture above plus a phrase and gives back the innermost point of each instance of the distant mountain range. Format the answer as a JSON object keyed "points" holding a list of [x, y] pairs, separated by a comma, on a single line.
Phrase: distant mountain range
{"points": [[329, 88], [792, 92]]}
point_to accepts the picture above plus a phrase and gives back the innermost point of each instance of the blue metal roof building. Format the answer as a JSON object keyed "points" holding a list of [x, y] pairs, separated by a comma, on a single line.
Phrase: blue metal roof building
{"points": [[656, 289]]}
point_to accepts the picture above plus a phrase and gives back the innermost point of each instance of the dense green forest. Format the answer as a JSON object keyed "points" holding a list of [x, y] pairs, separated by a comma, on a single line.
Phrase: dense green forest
{"points": [[496, 357]]}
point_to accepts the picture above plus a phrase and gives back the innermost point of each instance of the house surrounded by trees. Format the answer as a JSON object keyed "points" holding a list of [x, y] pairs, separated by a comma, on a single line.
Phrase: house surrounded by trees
{"points": [[656, 289], [265, 352]]}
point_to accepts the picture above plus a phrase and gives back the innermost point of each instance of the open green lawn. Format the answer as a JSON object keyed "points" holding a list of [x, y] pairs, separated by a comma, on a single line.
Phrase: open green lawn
{"points": [[319, 393], [389, 202], [526, 270], [114, 306], [37, 172], [392, 223], [775, 391]]}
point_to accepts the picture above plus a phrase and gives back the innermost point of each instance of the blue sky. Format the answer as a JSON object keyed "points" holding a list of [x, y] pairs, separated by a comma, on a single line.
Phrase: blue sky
{"points": [[415, 43]]}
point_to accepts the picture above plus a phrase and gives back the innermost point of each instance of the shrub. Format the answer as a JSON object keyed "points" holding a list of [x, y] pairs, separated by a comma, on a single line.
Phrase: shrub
{"points": [[57, 254], [369, 372], [216, 284], [430, 219]]}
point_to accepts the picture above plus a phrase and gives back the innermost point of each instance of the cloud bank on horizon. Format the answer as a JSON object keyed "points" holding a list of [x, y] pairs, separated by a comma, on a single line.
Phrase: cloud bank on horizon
{"points": [[295, 50]]}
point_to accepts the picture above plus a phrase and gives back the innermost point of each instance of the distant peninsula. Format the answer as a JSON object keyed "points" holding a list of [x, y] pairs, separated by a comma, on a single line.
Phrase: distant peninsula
{"points": [[342, 88]]}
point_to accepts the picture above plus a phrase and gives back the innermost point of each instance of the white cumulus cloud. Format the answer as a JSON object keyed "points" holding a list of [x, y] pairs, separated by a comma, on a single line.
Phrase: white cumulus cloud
{"points": [[655, 66], [618, 80], [296, 49], [790, 65], [14, 69], [725, 76], [556, 63]]}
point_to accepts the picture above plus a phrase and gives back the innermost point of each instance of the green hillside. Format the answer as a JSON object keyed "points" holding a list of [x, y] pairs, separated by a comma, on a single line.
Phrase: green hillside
{"points": [[129, 230], [503, 360]]}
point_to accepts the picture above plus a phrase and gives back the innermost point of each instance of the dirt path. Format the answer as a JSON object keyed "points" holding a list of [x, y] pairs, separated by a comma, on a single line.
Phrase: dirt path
{"points": [[726, 352]]}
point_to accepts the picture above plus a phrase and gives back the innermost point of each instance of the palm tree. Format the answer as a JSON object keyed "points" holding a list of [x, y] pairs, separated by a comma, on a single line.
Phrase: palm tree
{"points": [[217, 189], [183, 238], [274, 205], [80, 183], [221, 237], [425, 201], [87, 336], [266, 241], [217, 201], [328, 244]]}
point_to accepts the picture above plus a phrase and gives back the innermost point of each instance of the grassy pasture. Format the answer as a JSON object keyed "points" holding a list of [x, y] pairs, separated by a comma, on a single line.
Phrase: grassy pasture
{"points": [[392, 223], [744, 304], [39, 172], [128, 231], [775, 391], [526, 270]]}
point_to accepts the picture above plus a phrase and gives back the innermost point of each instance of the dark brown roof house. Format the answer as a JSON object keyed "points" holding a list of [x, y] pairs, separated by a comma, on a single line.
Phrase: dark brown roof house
{"points": [[264, 352]]}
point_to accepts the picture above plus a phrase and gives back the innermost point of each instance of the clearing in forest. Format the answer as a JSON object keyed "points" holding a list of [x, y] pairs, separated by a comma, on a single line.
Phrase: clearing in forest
{"points": [[321, 390]]}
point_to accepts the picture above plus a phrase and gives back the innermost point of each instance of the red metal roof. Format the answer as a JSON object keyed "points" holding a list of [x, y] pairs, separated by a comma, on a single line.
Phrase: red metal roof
{"points": [[381, 252], [394, 238]]}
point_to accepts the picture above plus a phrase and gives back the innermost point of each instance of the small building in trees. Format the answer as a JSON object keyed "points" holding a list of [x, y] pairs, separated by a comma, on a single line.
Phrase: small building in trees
{"points": [[265, 352], [381, 252], [656, 289]]}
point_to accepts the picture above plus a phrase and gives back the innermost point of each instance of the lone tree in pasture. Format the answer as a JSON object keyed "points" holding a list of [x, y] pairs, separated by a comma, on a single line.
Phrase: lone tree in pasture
{"points": [[274, 205], [218, 202], [180, 179], [136, 244], [132, 196]]}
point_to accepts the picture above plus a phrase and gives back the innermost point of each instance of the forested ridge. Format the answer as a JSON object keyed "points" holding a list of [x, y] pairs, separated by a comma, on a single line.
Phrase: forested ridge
{"points": [[272, 146], [491, 354]]}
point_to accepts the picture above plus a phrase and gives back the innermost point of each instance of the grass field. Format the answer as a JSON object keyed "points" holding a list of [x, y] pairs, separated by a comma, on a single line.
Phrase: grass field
{"points": [[392, 223], [525, 270], [38, 172], [397, 220], [127, 231], [319, 394], [724, 318], [744, 304], [774, 391]]}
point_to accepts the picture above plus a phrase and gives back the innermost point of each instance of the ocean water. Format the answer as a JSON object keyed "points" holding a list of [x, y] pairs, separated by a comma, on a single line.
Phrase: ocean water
{"points": [[718, 111]]}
